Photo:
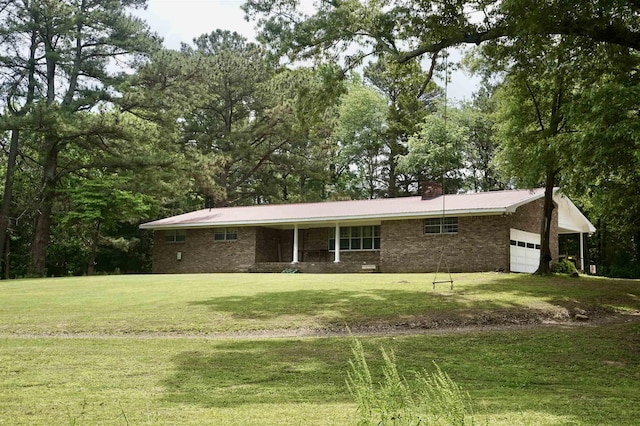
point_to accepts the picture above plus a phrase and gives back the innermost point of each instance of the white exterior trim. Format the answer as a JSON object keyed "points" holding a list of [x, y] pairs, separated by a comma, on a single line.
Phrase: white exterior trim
{"points": [[336, 258], [295, 244], [582, 252]]}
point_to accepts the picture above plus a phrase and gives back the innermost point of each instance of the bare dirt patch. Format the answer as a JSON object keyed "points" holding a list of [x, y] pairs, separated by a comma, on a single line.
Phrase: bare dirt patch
{"points": [[441, 324]]}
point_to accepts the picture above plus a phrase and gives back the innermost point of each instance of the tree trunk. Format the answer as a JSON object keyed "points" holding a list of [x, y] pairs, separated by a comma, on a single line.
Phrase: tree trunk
{"points": [[94, 250], [5, 208], [544, 267], [392, 185], [395, 149], [43, 222]]}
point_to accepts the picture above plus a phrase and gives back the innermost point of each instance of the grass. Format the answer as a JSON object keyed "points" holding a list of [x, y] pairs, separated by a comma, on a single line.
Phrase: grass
{"points": [[195, 304], [133, 349]]}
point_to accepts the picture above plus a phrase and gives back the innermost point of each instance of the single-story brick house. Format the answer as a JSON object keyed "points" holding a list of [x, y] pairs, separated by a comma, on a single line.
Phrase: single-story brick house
{"points": [[486, 231]]}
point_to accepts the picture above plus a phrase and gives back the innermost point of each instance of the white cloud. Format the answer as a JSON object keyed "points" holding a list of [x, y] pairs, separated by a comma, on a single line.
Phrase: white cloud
{"points": [[180, 21]]}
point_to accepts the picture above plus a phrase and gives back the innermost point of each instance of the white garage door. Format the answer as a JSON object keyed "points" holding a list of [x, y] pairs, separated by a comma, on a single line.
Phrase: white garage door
{"points": [[525, 251]]}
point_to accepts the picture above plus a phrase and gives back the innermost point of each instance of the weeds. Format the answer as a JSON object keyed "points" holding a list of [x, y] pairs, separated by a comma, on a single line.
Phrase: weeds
{"points": [[432, 399]]}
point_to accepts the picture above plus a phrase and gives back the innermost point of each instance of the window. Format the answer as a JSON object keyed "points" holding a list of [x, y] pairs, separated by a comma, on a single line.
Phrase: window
{"points": [[225, 234], [175, 236], [440, 225], [353, 238], [524, 244]]}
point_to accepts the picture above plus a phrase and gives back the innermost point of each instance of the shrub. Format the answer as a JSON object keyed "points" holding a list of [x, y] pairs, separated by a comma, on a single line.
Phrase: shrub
{"points": [[564, 267], [620, 271], [434, 399]]}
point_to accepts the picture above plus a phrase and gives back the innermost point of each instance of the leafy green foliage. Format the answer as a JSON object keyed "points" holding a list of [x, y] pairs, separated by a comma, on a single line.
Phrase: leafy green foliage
{"points": [[359, 141], [438, 149], [564, 267], [407, 30], [411, 96], [226, 119], [64, 88], [247, 119]]}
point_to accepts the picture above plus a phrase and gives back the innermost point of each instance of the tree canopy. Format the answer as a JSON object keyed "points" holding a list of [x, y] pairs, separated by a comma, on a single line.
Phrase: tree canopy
{"points": [[408, 29]]}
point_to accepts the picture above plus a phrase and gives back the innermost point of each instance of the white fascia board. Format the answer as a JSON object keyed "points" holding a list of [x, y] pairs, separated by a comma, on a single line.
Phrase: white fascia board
{"points": [[579, 224], [512, 208], [330, 221]]}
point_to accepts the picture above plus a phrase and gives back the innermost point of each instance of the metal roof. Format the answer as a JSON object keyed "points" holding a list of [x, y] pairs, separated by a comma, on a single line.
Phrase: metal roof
{"points": [[363, 211]]}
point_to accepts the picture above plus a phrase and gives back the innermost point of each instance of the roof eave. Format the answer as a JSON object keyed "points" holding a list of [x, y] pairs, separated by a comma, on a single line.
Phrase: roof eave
{"points": [[328, 220], [513, 207]]}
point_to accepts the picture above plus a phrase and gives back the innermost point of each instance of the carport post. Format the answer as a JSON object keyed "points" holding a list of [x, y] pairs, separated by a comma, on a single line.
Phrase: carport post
{"points": [[582, 252], [337, 244], [295, 244]]}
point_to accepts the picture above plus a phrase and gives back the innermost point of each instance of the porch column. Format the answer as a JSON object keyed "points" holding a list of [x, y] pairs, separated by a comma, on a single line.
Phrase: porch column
{"points": [[337, 245], [295, 244], [582, 252]]}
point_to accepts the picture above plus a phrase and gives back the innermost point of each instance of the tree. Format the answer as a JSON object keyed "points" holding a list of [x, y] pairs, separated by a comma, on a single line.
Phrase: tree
{"points": [[607, 161], [18, 85], [412, 29], [229, 124], [437, 151], [71, 45], [534, 131], [541, 128], [477, 117], [359, 138], [98, 204], [303, 171], [247, 116], [411, 96]]}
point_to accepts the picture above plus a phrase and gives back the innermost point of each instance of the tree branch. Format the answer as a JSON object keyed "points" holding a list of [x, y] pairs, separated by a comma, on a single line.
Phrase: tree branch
{"points": [[434, 61], [535, 104], [469, 38], [594, 29]]}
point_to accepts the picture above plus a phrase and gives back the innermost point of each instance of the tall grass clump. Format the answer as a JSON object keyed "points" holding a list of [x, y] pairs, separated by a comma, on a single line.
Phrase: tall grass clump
{"points": [[431, 399]]}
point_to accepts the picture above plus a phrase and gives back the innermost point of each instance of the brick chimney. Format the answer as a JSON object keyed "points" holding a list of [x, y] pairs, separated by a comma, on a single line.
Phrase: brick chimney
{"points": [[431, 190]]}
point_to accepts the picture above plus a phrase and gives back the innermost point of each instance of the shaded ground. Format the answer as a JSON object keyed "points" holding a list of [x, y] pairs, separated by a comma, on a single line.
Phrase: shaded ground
{"points": [[444, 323]]}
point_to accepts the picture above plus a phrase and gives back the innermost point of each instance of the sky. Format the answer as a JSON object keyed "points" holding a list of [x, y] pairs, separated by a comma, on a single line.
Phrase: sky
{"points": [[180, 21]]}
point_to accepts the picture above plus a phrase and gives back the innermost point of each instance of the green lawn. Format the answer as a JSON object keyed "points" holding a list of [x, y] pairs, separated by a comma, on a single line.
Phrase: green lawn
{"points": [[138, 349]]}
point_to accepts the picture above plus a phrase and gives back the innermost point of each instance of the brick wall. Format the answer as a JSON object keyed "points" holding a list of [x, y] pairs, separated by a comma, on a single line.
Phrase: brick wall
{"points": [[200, 253], [269, 245], [314, 245], [481, 244]]}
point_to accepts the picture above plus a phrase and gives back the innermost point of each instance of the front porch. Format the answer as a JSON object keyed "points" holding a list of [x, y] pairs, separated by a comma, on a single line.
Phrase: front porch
{"points": [[314, 250]]}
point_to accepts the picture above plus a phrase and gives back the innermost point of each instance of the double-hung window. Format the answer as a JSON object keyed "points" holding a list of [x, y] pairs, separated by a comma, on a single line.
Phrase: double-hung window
{"points": [[441, 225], [175, 236], [225, 234], [354, 238]]}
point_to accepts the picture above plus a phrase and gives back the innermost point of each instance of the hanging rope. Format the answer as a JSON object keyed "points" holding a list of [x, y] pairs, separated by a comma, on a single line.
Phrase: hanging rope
{"points": [[442, 218]]}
